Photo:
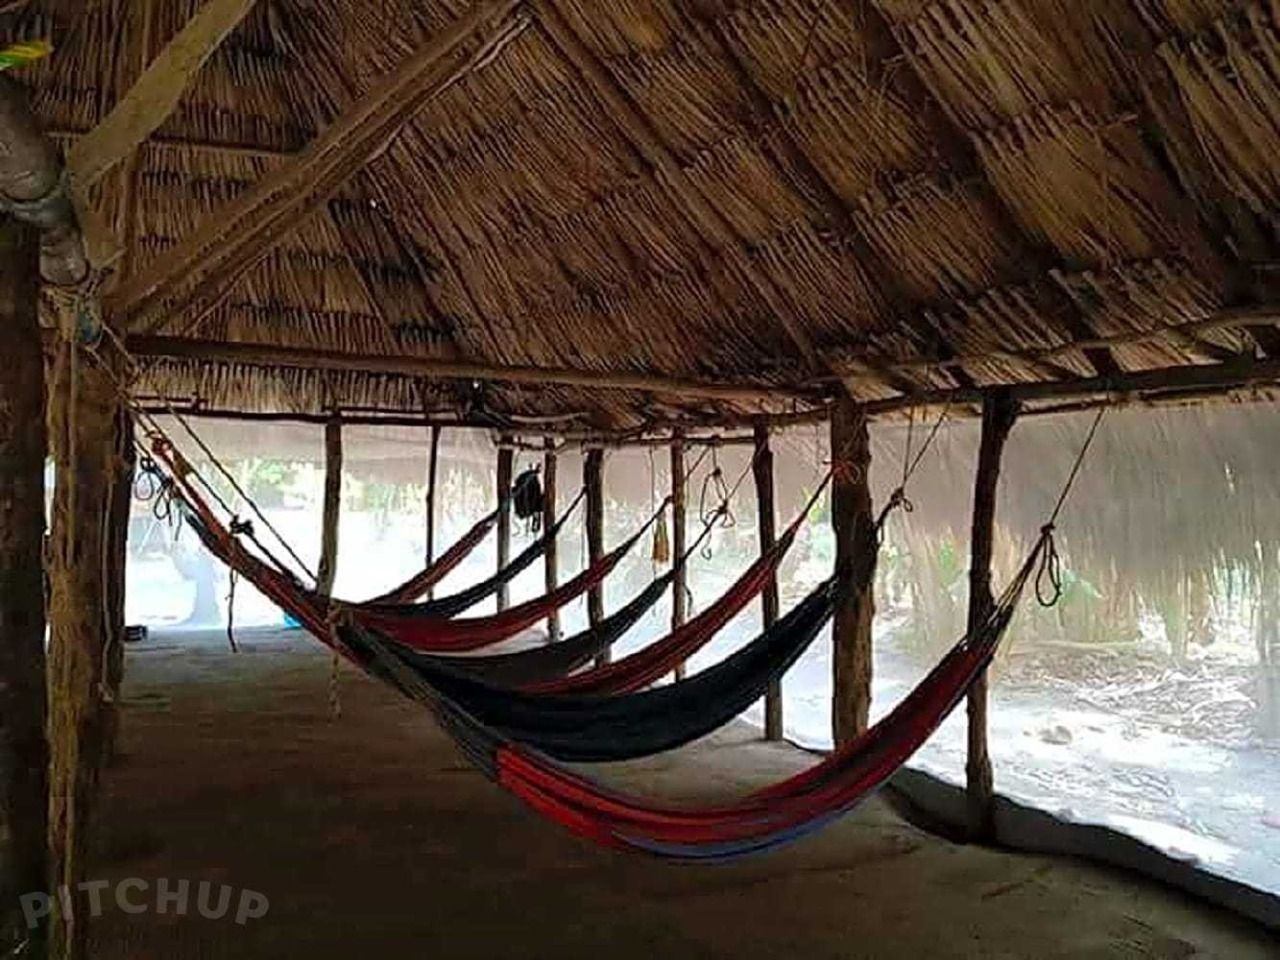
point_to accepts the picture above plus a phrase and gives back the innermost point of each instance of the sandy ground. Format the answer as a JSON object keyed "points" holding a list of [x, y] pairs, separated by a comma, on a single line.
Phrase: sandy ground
{"points": [[371, 837]]}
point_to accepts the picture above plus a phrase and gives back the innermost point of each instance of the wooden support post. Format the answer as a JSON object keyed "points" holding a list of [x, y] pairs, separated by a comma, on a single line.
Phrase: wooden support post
{"points": [[118, 559], [679, 538], [506, 470], [332, 516], [23, 751], [998, 414], [433, 476], [593, 477], [762, 466], [84, 414], [551, 557], [853, 518]]}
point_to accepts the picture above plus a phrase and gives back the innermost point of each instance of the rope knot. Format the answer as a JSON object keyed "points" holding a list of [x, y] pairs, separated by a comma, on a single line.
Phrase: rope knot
{"points": [[241, 528]]}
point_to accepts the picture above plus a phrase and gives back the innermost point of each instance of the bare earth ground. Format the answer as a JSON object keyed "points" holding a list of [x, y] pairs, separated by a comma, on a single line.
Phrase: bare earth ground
{"points": [[372, 838]]}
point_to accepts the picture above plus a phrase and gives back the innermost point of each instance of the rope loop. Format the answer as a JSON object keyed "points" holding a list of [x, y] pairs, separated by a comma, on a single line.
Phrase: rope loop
{"points": [[1049, 576], [898, 500]]}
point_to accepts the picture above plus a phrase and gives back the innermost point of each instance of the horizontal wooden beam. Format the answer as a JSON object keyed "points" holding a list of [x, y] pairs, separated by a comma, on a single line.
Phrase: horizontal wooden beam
{"points": [[1236, 373], [262, 355], [1223, 320], [346, 419], [192, 278]]}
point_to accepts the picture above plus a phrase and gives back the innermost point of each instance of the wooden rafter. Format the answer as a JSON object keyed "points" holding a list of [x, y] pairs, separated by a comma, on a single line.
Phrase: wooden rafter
{"points": [[193, 277], [1185, 333], [156, 94], [183, 348]]}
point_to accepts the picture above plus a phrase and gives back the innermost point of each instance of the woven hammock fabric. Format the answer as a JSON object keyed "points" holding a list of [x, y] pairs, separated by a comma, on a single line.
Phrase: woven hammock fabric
{"points": [[552, 661], [455, 604], [425, 633], [446, 563], [438, 635], [593, 729], [769, 818], [655, 661]]}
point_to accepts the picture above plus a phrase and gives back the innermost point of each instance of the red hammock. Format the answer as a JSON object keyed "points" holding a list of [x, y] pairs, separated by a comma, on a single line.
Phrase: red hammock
{"points": [[436, 635], [420, 583], [785, 811], [655, 661], [427, 634], [649, 665]]}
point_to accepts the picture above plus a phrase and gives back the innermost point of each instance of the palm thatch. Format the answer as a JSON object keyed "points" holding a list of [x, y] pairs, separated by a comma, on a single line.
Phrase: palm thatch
{"points": [[800, 195]]}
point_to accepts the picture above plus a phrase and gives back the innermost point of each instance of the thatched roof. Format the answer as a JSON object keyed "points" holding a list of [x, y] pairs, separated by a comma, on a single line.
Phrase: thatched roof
{"points": [[792, 195]]}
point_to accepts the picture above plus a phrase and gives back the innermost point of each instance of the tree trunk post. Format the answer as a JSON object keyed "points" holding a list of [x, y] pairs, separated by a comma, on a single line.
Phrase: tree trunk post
{"points": [[24, 755], [593, 477], [84, 413], [999, 412], [506, 471], [551, 558], [679, 538], [853, 517], [762, 467], [332, 516], [433, 476]]}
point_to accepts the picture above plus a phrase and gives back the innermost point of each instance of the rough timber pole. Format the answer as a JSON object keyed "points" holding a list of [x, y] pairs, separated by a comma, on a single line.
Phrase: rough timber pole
{"points": [[328, 570], [83, 426], [762, 466], [506, 470], [679, 539], [23, 751], [593, 477], [551, 557], [433, 475], [998, 414], [853, 518]]}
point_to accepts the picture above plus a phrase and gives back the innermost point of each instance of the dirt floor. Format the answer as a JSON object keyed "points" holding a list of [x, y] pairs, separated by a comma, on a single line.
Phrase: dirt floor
{"points": [[371, 837]]}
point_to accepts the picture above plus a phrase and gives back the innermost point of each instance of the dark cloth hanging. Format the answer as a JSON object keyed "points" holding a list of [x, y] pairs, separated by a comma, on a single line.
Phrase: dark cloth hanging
{"points": [[527, 498]]}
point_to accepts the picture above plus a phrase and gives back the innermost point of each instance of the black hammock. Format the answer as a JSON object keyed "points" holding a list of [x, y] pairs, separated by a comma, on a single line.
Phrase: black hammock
{"points": [[606, 728], [455, 604], [554, 661], [547, 662], [729, 829]]}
